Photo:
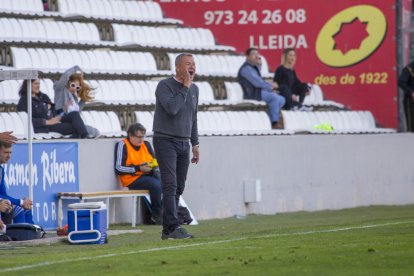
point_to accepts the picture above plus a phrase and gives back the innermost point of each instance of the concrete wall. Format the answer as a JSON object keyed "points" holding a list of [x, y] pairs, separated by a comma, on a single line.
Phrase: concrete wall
{"points": [[300, 172]]}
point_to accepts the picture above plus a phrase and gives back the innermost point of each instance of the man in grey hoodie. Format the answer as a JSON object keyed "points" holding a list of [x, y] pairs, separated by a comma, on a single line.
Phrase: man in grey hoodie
{"points": [[175, 125]]}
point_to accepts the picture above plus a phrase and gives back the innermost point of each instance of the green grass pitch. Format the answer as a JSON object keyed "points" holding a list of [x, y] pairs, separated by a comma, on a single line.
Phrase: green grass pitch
{"points": [[362, 241]]}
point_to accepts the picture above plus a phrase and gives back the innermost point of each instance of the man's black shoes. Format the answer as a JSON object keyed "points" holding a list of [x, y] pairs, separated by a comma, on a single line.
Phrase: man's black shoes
{"points": [[178, 234]]}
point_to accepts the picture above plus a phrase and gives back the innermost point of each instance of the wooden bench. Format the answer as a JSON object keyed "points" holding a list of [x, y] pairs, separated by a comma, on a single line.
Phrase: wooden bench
{"points": [[134, 194]]}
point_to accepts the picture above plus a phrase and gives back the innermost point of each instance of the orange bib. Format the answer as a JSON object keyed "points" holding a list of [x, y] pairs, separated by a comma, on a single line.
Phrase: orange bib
{"points": [[135, 158]]}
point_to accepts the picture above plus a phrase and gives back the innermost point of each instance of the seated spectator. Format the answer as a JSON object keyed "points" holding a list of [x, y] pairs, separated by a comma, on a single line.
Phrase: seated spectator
{"points": [[133, 157], [71, 94], [255, 88], [290, 87], [44, 117], [21, 208], [406, 83]]}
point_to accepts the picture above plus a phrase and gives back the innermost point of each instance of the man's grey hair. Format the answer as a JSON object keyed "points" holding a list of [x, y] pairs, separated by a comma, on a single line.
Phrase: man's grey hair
{"points": [[179, 58]]}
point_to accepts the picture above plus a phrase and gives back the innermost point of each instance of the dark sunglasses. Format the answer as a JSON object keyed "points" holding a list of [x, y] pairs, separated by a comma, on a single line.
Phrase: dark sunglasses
{"points": [[73, 85]]}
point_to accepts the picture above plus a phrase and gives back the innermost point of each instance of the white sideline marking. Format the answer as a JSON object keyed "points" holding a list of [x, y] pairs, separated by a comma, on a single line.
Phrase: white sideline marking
{"points": [[199, 244]]}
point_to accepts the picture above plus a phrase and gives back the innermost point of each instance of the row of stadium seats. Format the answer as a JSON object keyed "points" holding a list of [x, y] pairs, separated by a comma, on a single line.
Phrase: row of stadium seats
{"points": [[144, 12], [224, 123], [48, 30], [340, 121], [220, 65], [106, 122], [75, 32], [123, 61], [210, 123], [181, 38], [112, 8], [220, 123], [88, 60], [94, 8], [22, 5], [258, 123], [124, 92]]}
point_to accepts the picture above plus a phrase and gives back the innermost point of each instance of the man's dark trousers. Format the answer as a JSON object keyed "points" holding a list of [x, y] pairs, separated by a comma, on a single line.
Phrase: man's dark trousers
{"points": [[173, 157]]}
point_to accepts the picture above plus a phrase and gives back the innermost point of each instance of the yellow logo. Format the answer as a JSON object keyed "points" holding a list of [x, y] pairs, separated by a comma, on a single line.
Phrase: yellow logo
{"points": [[351, 36]]}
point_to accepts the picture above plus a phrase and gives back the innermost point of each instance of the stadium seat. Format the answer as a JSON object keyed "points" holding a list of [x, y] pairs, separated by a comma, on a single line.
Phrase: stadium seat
{"points": [[106, 122], [88, 60], [146, 118], [315, 98], [9, 91], [234, 94]]}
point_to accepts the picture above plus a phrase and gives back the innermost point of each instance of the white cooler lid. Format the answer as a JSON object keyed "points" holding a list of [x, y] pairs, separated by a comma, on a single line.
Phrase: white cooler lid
{"points": [[87, 205]]}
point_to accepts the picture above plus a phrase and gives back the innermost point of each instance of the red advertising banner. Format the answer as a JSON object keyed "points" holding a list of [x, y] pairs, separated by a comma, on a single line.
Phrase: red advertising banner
{"points": [[348, 47]]}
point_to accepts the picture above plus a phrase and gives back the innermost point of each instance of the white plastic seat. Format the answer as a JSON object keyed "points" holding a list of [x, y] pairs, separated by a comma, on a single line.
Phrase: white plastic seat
{"points": [[9, 91], [145, 118], [234, 91], [19, 128], [21, 58], [206, 94], [53, 61], [115, 124], [152, 85]]}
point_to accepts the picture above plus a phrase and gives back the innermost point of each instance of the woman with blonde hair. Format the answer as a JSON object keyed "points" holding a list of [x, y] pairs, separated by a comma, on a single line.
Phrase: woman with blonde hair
{"points": [[290, 87], [71, 94]]}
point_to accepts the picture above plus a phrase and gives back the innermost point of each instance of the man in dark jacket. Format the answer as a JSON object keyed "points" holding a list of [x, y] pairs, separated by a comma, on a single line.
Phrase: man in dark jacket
{"points": [[255, 88], [44, 118], [406, 83], [175, 125]]}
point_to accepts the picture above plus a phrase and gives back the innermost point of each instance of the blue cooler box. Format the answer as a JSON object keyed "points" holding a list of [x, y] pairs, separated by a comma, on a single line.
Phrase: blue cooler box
{"points": [[87, 223]]}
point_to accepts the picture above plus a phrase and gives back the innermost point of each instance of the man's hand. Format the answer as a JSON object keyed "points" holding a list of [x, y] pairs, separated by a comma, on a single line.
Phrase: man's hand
{"points": [[187, 79], [294, 98], [53, 121], [27, 204], [196, 154], [7, 137], [145, 168], [67, 105], [275, 86], [5, 206]]}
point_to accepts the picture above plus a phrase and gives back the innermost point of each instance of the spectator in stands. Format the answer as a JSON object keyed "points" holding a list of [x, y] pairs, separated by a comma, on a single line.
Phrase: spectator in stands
{"points": [[175, 125], [406, 83], [290, 87], [21, 207], [133, 159], [44, 117], [255, 88], [7, 137], [71, 94]]}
